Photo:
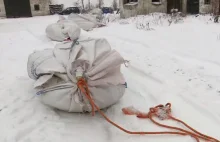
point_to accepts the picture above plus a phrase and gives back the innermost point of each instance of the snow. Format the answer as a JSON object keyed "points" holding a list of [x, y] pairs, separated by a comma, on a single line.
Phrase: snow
{"points": [[178, 64]]}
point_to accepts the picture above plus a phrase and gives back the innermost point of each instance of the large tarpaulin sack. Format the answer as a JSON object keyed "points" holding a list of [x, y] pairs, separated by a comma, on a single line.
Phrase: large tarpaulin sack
{"points": [[55, 71], [86, 21], [97, 12], [62, 31]]}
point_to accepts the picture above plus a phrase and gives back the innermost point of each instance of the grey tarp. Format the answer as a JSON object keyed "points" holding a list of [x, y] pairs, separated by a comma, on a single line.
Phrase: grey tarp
{"points": [[55, 72]]}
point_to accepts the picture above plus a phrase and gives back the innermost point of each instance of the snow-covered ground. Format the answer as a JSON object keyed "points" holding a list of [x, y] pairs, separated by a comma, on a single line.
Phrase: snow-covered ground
{"points": [[178, 64]]}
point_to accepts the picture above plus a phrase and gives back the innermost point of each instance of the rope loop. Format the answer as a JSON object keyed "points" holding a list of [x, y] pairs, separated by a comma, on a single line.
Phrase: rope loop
{"points": [[160, 111]]}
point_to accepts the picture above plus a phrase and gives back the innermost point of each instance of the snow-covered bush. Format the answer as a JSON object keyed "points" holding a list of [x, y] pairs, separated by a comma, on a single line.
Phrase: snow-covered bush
{"points": [[148, 22], [144, 26], [175, 17], [206, 18], [109, 18]]}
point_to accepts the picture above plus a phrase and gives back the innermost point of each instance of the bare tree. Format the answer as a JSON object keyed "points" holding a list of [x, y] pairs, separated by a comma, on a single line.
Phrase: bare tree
{"points": [[115, 4], [100, 3], [76, 4], [89, 5], [83, 7], [97, 5]]}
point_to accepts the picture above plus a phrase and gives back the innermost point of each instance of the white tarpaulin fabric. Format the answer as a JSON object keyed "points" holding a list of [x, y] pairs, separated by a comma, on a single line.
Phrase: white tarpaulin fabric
{"points": [[55, 72], [86, 21], [97, 12], [63, 30], [69, 29]]}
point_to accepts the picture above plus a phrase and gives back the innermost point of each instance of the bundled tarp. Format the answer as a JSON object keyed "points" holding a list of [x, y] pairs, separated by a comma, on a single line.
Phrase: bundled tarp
{"points": [[63, 31], [85, 21], [97, 12], [69, 29], [55, 71]]}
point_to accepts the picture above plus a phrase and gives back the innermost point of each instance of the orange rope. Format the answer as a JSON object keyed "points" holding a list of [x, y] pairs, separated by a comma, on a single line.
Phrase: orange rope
{"points": [[82, 85]]}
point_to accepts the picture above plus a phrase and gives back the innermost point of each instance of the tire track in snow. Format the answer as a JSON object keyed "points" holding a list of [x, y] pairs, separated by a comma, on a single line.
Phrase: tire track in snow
{"points": [[197, 61], [138, 77], [127, 40], [25, 132], [200, 109], [141, 72], [174, 54]]}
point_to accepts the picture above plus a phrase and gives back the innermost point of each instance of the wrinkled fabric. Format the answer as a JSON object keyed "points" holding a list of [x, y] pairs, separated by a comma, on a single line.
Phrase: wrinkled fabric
{"points": [[97, 13], [86, 21], [55, 73], [62, 31]]}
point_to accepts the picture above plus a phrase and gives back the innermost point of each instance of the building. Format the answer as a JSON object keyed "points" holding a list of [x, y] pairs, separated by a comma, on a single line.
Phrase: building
{"points": [[24, 8], [129, 8]]}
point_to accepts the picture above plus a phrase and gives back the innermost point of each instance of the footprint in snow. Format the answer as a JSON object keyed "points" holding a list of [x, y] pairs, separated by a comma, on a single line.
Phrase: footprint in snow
{"points": [[179, 71], [210, 86], [201, 68]]}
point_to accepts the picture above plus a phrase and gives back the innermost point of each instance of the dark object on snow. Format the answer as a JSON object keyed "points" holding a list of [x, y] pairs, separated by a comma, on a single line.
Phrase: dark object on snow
{"points": [[107, 10], [118, 11], [70, 10], [216, 19], [55, 9]]}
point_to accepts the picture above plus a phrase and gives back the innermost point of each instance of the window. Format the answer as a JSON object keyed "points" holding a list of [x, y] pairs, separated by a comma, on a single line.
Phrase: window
{"points": [[36, 7], [207, 2], [156, 0], [130, 1]]}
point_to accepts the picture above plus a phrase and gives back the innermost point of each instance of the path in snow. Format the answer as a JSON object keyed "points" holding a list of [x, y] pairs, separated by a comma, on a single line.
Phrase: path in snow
{"points": [[177, 64]]}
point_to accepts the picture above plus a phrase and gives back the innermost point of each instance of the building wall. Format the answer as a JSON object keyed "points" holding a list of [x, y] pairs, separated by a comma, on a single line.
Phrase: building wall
{"points": [[204, 8], [156, 7], [44, 7], [129, 11], [43, 4], [184, 6], [146, 7], [2, 9], [143, 7]]}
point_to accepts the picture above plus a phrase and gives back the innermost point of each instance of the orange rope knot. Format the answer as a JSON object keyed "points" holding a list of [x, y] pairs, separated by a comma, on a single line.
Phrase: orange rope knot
{"points": [[162, 112], [82, 85]]}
